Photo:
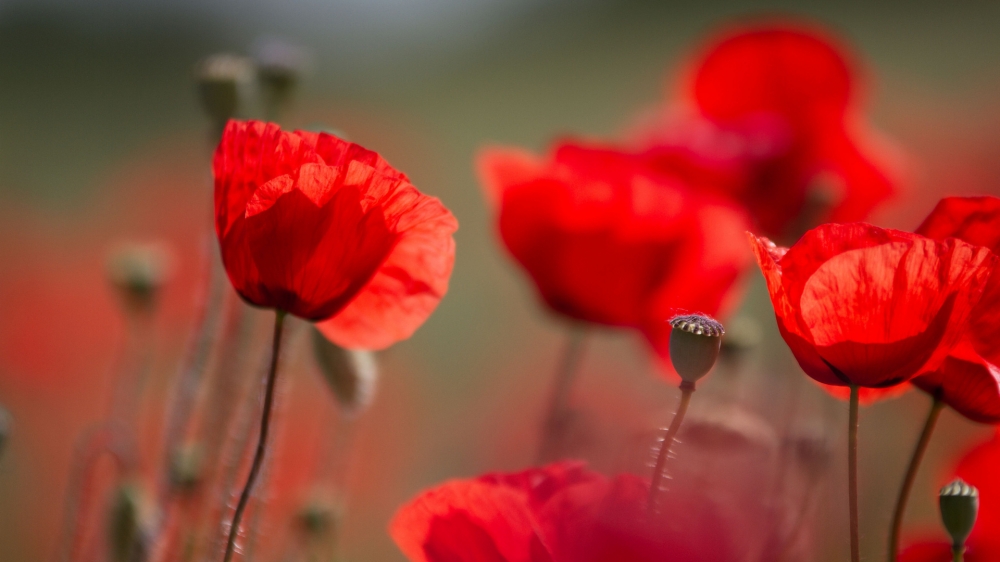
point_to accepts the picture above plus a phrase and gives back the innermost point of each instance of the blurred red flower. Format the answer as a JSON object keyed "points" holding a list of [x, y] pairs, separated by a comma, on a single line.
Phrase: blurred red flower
{"points": [[775, 121], [606, 243], [969, 379], [328, 231], [558, 513], [979, 468], [872, 307]]}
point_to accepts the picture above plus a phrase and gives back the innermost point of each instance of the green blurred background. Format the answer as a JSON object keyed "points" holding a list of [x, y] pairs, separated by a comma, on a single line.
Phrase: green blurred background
{"points": [[88, 89]]}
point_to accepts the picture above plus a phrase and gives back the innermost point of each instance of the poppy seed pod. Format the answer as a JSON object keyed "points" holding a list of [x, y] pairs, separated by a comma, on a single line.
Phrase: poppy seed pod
{"points": [[350, 373], [959, 504], [279, 67], [695, 342]]}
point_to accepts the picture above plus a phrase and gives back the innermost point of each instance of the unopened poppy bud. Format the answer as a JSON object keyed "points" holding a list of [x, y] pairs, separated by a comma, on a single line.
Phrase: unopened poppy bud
{"points": [[279, 68], [742, 336], [959, 504], [221, 78], [319, 517], [186, 466], [694, 345], [350, 373], [129, 524], [138, 271]]}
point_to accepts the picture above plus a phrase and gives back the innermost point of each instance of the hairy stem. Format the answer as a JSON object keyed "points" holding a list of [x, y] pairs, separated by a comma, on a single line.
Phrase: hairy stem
{"points": [[265, 424], [852, 472], [687, 389], [911, 475]]}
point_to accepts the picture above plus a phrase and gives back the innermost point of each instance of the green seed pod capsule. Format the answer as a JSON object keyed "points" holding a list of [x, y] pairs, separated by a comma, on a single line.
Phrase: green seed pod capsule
{"points": [[350, 373], [694, 345], [959, 504]]}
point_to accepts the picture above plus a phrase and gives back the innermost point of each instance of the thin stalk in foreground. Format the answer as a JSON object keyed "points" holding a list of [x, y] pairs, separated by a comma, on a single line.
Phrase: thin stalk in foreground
{"points": [[911, 475], [265, 424], [852, 472], [958, 553], [555, 417], [687, 389]]}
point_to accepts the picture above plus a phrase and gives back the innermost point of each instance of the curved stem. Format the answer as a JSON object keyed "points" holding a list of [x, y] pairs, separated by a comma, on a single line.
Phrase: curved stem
{"points": [[265, 424], [911, 475], [852, 472], [687, 389], [555, 416]]}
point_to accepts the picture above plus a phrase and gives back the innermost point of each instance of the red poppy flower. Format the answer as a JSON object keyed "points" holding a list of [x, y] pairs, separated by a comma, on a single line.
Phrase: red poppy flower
{"points": [[969, 379], [558, 513], [871, 307], [328, 231], [607, 244], [784, 98], [979, 468]]}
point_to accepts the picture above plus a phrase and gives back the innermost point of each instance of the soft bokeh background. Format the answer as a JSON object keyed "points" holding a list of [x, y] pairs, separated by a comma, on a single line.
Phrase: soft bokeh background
{"points": [[102, 138]]}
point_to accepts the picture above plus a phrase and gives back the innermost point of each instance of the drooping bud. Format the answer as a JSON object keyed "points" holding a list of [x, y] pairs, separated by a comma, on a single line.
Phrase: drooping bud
{"points": [[138, 271], [129, 524], [221, 80], [694, 346], [279, 68], [186, 466], [959, 504], [350, 373]]}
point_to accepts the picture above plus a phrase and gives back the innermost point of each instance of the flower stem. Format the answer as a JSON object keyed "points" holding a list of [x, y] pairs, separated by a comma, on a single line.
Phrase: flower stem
{"points": [[265, 423], [687, 389], [911, 474], [852, 472], [554, 426], [958, 553]]}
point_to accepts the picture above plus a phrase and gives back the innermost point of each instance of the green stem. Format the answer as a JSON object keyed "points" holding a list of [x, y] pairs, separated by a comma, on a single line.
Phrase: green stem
{"points": [[265, 424], [911, 475], [555, 417], [687, 389], [852, 472], [958, 553]]}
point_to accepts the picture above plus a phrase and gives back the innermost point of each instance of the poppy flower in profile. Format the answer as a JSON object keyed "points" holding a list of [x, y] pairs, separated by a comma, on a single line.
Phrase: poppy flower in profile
{"points": [[328, 231], [969, 379], [781, 99], [557, 513], [978, 468], [865, 306], [607, 244]]}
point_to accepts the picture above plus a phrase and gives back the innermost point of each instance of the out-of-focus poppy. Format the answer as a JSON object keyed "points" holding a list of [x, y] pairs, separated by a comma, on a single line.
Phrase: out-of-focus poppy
{"points": [[978, 468], [606, 243], [865, 306], [969, 379], [777, 123], [328, 231], [560, 512]]}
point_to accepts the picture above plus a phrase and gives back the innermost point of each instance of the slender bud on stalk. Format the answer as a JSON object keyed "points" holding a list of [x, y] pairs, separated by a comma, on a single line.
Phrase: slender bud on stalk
{"points": [[695, 342], [959, 504], [129, 524], [138, 271], [221, 78], [351, 373]]}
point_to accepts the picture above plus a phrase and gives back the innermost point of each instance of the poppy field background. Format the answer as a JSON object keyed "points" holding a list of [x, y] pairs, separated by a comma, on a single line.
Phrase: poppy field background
{"points": [[102, 141]]}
